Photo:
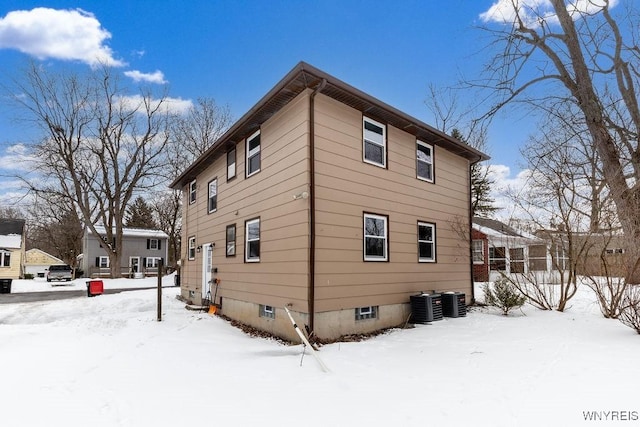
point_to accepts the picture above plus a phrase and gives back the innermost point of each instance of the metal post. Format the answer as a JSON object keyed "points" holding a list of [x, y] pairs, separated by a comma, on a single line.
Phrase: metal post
{"points": [[160, 270]]}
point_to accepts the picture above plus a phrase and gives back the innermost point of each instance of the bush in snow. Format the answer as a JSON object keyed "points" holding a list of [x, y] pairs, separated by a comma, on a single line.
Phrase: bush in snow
{"points": [[630, 312], [503, 295]]}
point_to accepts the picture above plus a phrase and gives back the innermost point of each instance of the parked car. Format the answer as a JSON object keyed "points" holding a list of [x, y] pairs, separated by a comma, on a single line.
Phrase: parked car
{"points": [[59, 272]]}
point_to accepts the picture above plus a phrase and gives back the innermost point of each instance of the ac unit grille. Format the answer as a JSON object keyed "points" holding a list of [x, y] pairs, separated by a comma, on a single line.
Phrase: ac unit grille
{"points": [[426, 308], [453, 304]]}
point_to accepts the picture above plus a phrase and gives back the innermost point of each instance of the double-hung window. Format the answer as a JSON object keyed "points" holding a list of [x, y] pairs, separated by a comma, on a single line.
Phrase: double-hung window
{"points": [[376, 243], [231, 164], [192, 248], [5, 259], [103, 262], [192, 192], [152, 262], [374, 143], [426, 242], [231, 240], [252, 240], [253, 154], [213, 195], [477, 249], [424, 161]]}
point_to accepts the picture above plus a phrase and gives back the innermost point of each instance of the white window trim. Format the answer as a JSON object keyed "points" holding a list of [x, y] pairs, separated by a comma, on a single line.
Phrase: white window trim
{"points": [[149, 264], [227, 241], [366, 313], [256, 151], [103, 258], [246, 240], [209, 196], [473, 251], [192, 192], [3, 255], [153, 244], [191, 246], [365, 140], [424, 144], [432, 241], [267, 311], [365, 235]]}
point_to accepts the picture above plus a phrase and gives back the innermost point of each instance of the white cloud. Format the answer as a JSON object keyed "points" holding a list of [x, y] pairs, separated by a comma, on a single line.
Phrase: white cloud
{"points": [[16, 157], [175, 105], [532, 11], [155, 77], [71, 35]]}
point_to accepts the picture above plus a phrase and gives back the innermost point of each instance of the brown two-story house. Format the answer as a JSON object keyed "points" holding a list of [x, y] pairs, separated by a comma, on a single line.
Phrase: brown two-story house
{"points": [[325, 200]]}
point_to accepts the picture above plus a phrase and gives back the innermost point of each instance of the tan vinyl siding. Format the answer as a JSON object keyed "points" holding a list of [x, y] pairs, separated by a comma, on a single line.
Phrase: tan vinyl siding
{"points": [[346, 187], [281, 276]]}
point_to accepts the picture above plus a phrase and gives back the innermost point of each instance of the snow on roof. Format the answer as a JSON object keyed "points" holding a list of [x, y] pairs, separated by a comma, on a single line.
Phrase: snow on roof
{"points": [[136, 232], [10, 241]]}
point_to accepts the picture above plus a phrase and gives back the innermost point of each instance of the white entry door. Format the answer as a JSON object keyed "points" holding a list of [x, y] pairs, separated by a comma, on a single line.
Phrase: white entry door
{"points": [[207, 268], [134, 264]]}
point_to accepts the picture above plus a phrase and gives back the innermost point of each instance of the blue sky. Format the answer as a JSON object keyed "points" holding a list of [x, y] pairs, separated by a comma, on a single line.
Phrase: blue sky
{"points": [[235, 51]]}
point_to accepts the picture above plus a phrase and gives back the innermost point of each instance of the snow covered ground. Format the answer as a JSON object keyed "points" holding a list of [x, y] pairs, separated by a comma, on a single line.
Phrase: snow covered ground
{"points": [[41, 284], [106, 361]]}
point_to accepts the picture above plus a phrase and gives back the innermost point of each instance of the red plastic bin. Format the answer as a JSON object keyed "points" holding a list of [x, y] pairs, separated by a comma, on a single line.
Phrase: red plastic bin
{"points": [[94, 287]]}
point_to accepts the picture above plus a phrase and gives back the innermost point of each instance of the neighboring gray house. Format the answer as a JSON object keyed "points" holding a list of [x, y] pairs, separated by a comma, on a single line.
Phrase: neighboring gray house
{"points": [[142, 250]]}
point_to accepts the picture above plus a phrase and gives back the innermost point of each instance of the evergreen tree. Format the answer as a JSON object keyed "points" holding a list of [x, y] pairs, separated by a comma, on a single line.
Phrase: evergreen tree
{"points": [[482, 204], [140, 215]]}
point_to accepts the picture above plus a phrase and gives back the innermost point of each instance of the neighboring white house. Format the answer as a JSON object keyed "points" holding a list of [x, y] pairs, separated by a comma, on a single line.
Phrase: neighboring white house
{"points": [[142, 249]]}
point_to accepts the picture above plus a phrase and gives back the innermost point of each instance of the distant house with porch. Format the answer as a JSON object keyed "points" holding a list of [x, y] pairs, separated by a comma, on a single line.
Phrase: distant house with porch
{"points": [[38, 261], [12, 244], [499, 249], [142, 249]]}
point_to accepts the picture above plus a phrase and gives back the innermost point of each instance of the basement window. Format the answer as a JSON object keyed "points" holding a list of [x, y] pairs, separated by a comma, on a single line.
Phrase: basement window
{"points": [[267, 311], [363, 313]]}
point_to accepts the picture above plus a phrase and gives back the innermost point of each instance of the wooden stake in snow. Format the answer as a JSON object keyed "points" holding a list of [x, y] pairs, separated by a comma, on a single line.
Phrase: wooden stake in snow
{"points": [[160, 269], [306, 343]]}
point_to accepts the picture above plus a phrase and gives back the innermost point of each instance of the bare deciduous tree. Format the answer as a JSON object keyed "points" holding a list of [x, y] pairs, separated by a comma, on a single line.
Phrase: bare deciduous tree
{"points": [[101, 144], [192, 135], [577, 52]]}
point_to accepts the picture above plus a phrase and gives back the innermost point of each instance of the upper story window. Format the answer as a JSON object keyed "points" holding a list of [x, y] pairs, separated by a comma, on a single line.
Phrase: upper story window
{"points": [[153, 244], [253, 154], [374, 144], [213, 195], [231, 163], [424, 161], [426, 242], [376, 243], [252, 240], [192, 248], [5, 259], [192, 192]]}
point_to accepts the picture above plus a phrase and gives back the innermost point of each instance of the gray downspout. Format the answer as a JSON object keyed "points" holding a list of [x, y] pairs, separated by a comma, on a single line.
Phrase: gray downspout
{"points": [[312, 207], [473, 291]]}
